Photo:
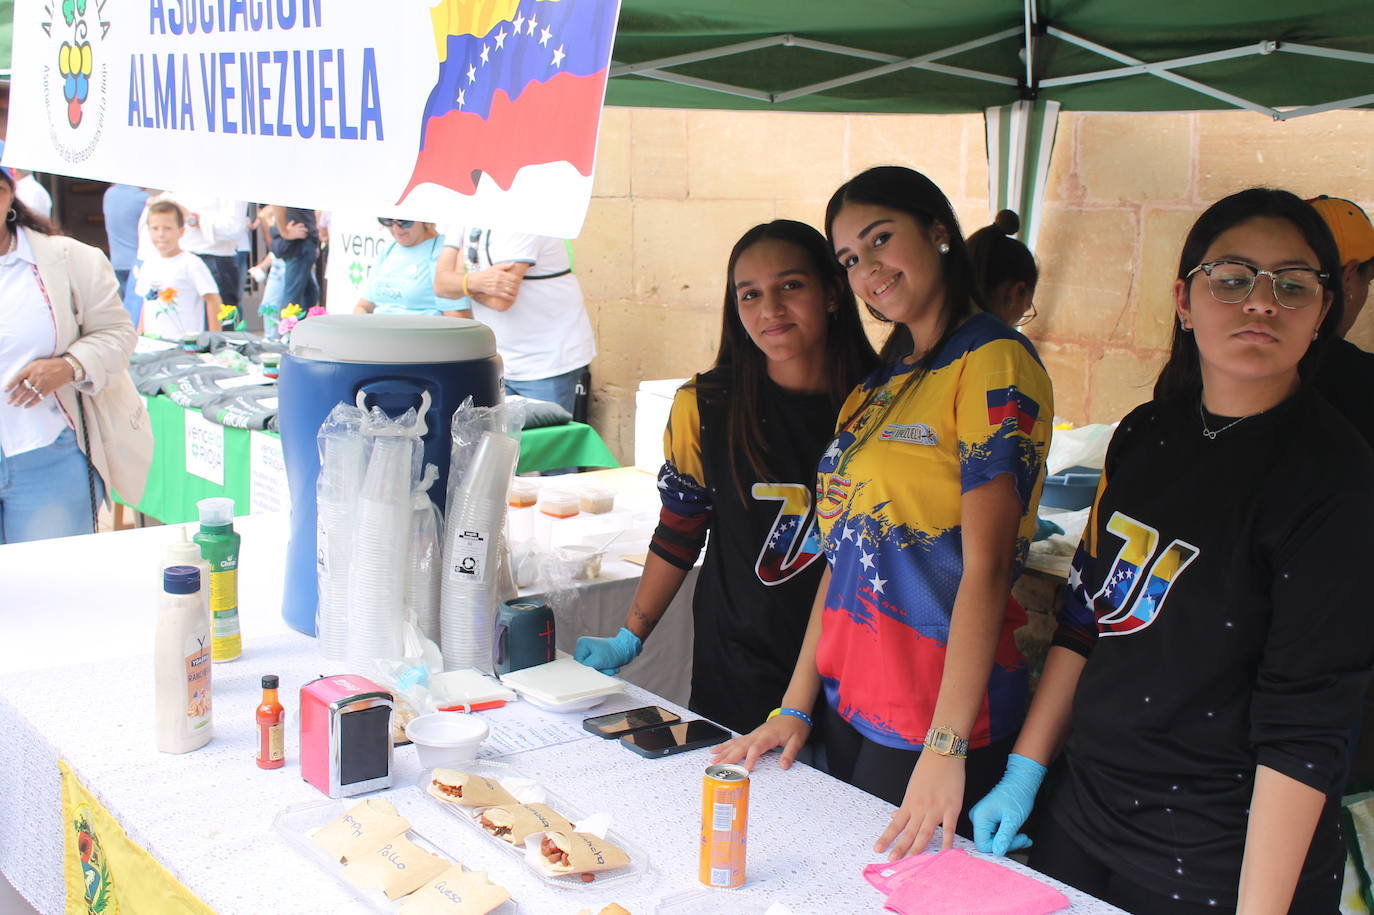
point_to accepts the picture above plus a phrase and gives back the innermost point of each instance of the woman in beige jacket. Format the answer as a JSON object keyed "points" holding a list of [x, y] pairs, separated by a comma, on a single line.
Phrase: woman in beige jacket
{"points": [[71, 424]]}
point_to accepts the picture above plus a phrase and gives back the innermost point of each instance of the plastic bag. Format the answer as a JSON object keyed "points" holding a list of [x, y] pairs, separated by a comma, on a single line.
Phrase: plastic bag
{"points": [[1085, 446], [422, 580], [343, 461]]}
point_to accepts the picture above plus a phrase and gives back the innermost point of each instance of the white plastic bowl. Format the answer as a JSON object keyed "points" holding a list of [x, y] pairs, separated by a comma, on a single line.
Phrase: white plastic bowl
{"points": [[446, 738]]}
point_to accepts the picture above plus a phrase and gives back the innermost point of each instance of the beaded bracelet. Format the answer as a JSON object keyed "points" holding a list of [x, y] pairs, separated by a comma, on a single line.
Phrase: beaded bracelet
{"points": [[791, 712]]}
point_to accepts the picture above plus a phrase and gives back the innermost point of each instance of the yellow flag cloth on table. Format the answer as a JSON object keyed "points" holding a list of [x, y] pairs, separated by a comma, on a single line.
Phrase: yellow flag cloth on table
{"points": [[107, 873]]}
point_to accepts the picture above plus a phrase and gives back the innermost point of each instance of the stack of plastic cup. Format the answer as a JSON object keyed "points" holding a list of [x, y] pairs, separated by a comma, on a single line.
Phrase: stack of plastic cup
{"points": [[342, 465], [381, 549], [422, 578], [472, 578]]}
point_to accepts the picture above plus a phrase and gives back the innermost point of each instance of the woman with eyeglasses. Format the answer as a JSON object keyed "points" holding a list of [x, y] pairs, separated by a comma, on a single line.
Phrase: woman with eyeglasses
{"points": [[1005, 269], [401, 281], [1215, 644]]}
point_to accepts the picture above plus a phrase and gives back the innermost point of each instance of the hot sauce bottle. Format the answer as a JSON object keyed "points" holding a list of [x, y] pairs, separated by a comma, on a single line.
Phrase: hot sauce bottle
{"points": [[269, 716]]}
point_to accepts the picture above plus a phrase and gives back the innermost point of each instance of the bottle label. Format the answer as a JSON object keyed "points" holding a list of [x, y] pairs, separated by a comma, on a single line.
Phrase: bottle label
{"points": [[274, 743], [224, 612], [224, 588], [197, 685]]}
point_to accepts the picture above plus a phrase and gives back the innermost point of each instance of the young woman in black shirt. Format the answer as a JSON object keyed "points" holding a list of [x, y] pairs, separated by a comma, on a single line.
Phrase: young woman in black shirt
{"points": [[742, 445], [1215, 644]]}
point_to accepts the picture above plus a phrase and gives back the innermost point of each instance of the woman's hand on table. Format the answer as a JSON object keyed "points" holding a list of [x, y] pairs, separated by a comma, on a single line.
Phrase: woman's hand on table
{"points": [[934, 797], [780, 731], [37, 380]]}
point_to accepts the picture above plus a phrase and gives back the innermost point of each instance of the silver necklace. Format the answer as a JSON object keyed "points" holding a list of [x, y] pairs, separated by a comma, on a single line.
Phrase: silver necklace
{"points": [[1211, 434]]}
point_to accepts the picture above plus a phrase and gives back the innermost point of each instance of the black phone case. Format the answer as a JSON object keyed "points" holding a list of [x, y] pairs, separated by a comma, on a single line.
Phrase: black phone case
{"points": [[708, 741], [590, 728]]}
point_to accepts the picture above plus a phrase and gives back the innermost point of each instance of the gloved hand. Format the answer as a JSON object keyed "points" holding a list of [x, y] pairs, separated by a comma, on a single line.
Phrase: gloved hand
{"points": [[1006, 807], [608, 655]]}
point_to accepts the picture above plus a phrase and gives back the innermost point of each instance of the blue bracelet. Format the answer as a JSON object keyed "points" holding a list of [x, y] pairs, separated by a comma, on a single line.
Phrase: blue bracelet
{"points": [[797, 713]]}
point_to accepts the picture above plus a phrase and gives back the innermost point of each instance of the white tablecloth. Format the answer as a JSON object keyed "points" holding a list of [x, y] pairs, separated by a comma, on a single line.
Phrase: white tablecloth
{"points": [[77, 618]]}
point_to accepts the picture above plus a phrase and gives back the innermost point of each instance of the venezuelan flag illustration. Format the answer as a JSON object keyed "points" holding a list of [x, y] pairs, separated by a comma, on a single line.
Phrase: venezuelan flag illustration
{"points": [[520, 83]]}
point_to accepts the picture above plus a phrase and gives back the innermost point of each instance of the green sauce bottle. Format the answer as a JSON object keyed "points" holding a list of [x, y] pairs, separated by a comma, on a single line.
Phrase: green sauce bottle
{"points": [[219, 546]]}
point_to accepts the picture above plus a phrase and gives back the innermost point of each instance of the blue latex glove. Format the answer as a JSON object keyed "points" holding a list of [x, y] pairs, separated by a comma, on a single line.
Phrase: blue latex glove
{"points": [[608, 655], [1006, 807]]}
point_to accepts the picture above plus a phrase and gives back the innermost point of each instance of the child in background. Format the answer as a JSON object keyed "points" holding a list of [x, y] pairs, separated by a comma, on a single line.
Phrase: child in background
{"points": [[179, 293]]}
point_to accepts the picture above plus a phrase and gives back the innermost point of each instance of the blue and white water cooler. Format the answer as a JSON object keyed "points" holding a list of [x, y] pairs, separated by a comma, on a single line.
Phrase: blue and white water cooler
{"points": [[394, 362]]}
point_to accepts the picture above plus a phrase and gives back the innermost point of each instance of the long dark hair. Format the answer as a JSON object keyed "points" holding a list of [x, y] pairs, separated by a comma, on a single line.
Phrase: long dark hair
{"points": [[849, 356], [1182, 374], [998, 258], [23, 216], [900, 188]]}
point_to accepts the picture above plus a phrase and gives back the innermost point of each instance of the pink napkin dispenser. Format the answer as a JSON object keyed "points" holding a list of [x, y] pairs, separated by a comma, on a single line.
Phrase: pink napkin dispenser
{"points": [[345, 735]]}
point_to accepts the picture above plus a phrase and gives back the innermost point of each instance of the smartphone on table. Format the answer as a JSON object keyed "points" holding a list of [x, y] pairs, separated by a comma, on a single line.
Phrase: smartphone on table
{"points": [[668, 739], [617, 724]]}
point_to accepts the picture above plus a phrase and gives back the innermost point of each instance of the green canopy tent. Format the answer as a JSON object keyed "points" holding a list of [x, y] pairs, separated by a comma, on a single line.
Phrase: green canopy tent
{"points": [[1018, 63]]}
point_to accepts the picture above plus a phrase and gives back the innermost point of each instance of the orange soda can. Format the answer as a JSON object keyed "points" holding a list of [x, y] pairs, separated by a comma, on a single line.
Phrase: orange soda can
{"points": [[724, 825]]}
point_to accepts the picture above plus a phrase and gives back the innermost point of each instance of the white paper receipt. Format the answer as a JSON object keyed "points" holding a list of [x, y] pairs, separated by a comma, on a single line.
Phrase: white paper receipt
{"points": [[468, 560]]}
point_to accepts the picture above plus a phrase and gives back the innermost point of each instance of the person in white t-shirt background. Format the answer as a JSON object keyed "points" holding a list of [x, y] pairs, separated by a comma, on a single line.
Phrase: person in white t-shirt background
{"points": [[180, 296], [523, 288]]}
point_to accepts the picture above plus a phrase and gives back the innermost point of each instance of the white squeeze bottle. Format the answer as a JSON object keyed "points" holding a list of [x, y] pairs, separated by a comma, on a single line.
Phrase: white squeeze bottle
{"points": [[181, 663], [185, 553]]}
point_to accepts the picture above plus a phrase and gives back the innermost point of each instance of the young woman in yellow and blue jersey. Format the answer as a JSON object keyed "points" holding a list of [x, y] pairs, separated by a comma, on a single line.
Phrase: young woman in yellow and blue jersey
{"points": [[741, 449], [927, 502]]}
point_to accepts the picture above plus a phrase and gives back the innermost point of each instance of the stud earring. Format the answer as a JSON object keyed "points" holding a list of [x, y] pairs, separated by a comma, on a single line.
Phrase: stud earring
{"points": [[943, 247]]}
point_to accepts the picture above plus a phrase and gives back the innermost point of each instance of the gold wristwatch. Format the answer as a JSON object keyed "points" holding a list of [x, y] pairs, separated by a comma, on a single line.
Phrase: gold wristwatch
{"points": [[78, 370], [944, 741]]}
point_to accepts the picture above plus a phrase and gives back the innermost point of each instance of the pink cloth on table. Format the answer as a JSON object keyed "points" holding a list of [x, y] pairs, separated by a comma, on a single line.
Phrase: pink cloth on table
{"points": [[955, 880]]}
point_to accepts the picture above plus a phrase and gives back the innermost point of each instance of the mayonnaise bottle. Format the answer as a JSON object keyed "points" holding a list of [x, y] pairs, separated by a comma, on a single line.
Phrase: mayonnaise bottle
{"points": [[184, 552], [181, 663]]}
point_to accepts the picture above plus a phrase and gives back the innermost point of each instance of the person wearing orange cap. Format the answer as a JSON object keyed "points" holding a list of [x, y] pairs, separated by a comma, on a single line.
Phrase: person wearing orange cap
{"points": [[1347, 372]]}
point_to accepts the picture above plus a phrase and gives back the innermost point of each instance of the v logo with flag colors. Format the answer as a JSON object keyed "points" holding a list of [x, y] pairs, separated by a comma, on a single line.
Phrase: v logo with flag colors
{"points": [[520, 83]]}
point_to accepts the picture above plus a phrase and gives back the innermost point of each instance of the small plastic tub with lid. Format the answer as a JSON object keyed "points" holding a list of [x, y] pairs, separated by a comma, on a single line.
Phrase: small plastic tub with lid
{"points": [[596, 500], [558, 503], [524, 492]]}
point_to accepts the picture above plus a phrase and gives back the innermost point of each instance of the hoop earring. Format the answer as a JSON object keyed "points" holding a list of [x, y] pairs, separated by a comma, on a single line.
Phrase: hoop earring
{"points": [[943, 247], [877, 314], [12, 216], [1184, 327]]}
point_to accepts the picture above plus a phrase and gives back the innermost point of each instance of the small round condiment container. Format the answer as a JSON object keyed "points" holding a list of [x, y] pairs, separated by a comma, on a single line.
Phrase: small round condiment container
{"points": [[446, 738]]}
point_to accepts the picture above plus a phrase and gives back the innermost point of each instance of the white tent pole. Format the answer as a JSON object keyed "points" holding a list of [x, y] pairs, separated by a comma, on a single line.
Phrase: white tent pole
{"points": [[1183, 81], [1030, 43], [1352, 102], [742, 47], [1139, 69], [1315, 51], [711, 85]]}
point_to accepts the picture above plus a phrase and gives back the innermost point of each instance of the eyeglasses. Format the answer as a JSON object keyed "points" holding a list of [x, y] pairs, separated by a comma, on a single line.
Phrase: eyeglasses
{"points": [[398, 223], [1026, 318], [1231, 282]]}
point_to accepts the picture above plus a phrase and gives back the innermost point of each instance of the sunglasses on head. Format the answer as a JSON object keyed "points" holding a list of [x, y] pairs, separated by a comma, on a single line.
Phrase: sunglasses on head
{"points": [[398, 223]]}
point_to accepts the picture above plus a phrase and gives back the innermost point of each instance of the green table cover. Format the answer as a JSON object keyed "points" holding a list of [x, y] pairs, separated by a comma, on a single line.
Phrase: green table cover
{"points": [[172, 492]]}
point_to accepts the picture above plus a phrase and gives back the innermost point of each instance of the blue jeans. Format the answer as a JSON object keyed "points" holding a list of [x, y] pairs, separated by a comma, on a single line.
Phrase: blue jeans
{"points": [[559, 389], [46, 492], [298, 282]]}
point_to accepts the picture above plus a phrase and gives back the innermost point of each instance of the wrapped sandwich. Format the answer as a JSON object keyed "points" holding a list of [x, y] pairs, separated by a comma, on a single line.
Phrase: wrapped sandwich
{"points": [[512, 822], [456, 892], [468, 790], [566, 852]]}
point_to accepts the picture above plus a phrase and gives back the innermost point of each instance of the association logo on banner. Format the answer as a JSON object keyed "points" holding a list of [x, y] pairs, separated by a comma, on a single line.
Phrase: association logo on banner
{"points": [[75, 75]]}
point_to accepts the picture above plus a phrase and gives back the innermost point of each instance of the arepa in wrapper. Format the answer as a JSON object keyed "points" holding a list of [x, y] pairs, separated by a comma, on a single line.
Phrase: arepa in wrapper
{"points": [[396, 866], [512, 822], [366, 824], [566, 852], [468, 790], [456, 892]]}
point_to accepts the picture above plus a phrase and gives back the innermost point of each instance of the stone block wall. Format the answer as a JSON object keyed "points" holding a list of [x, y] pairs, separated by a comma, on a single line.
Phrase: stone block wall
{"points": [[675, 189]]}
